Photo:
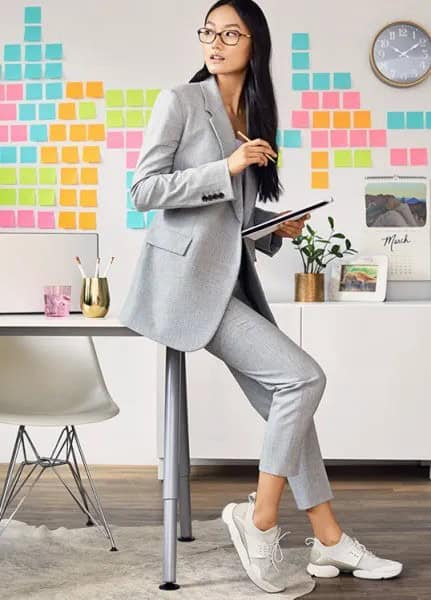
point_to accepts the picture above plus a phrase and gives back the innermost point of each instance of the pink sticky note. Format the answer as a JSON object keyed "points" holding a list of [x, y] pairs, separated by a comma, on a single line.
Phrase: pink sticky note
{"points": [[319, 139], [310, 100], [330, 99], [25, 218], [134, 139], [18, 133], [300, 118], [7, 218], [418, 156], [8, 112], [4, 137], [358, 138], [2, 92], [351, 100], [115, 139], [14, 91], [398, 156], [131, 159], [377, 137], [338, 138], [45, 219]]}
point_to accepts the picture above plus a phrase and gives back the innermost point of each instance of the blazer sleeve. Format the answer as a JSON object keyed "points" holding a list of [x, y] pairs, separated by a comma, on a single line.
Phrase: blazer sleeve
{"points": [[155, 185], [271, 243]]}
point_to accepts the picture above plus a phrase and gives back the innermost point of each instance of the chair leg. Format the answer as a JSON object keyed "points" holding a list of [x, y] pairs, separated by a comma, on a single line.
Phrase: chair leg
{"points": [[170, 475], [184, 460], [7, 487]]}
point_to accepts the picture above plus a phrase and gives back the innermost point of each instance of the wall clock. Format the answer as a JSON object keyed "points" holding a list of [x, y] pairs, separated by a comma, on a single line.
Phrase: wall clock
{"points": [[400, 54]]}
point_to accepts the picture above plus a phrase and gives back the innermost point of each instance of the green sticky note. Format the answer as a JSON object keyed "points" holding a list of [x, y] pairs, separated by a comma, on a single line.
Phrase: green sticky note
{"points": [[300, 60], [26, 196], [7, 176], [27, 175], [151, 95], [134, 118], [115, 118], [300, 81], [147, 116], [48, 175], [362, 158], [7, 196], [46, 197], [114, 98], [87, 110], [135, 97], [415, 120], [343, 158]]}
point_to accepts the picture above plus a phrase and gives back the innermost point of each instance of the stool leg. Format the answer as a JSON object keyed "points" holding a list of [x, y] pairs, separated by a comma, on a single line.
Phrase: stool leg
{"points": [[184, 468], [170, 479]]}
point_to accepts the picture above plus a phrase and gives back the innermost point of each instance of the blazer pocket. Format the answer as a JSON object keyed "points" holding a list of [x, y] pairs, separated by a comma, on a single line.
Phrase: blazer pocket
{"points": [[169, 239]]}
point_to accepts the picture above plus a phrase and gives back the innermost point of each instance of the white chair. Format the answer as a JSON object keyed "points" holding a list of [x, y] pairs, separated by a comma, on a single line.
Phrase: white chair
{"points": [[52, 381]]}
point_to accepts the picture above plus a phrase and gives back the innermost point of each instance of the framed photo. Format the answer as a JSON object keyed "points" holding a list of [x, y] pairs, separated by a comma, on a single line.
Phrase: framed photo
{"points": [[359, 278]]}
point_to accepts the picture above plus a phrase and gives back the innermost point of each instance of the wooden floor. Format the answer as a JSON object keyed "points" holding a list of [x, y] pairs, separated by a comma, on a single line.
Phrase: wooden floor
{"points": [[388, 508]]}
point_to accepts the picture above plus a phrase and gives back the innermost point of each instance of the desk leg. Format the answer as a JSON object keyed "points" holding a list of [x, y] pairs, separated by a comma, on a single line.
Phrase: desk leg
{"points": [[184, 468]]}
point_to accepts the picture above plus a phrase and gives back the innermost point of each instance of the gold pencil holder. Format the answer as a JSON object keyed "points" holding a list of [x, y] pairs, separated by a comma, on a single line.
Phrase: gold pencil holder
{"points": [[309, 287], [94, 296]]}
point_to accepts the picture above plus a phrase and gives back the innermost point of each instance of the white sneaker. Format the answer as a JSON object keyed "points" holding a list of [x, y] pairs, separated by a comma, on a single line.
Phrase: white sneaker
{"points": [[257, 549], [349, 555]]}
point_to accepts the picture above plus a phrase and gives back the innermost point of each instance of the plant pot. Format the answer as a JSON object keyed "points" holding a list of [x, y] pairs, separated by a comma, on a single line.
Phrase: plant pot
{"points": [[309, 287]]}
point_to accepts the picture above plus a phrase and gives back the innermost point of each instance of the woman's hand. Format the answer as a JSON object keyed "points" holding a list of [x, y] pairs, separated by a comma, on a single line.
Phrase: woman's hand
{"points": [[249, 153], [291, 229]]}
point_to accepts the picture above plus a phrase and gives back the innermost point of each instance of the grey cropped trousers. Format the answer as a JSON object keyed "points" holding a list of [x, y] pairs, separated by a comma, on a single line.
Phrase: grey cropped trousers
{"points": [[284, 385]]}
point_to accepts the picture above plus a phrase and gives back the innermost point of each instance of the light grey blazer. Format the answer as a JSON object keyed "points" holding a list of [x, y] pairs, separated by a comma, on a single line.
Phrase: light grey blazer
{"points": [[190, 258]]}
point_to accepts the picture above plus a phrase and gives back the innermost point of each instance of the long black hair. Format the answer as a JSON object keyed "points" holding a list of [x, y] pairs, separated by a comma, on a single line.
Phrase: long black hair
{"points": [[258, 92]]}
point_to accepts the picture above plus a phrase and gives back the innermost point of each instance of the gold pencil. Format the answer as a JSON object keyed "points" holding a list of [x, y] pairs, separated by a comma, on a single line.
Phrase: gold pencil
{"points": [[249, 140]]}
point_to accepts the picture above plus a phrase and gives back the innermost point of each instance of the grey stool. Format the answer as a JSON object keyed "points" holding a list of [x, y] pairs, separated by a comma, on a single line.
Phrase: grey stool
{"points": [[176, 466]]}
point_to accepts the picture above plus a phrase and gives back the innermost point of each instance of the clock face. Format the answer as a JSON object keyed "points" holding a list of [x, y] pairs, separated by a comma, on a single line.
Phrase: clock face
{"points": [[401, 53]]}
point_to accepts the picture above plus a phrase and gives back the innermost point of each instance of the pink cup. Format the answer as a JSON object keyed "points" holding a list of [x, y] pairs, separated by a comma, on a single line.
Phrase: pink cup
{"points": [[57, 300]]}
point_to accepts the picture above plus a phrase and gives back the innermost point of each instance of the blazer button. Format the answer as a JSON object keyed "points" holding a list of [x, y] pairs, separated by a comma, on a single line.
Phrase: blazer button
{"points": [[204, 197]]}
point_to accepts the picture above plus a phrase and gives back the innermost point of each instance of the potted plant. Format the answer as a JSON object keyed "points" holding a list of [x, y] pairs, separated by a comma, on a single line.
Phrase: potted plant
{"points": [[316, 253]]}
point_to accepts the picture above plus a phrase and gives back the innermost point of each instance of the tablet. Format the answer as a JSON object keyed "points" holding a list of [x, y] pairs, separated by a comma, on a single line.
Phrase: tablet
{"points": [[257, 231]]}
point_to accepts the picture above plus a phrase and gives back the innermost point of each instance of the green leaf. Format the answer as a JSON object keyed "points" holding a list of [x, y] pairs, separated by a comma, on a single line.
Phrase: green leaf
{"points": [[331, 222], [348, 244], [339, 235], [310, 230], [335, 248]]}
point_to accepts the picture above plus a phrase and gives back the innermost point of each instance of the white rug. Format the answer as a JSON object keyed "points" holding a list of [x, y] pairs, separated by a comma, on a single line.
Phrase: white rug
{"points": [[75, 564]]}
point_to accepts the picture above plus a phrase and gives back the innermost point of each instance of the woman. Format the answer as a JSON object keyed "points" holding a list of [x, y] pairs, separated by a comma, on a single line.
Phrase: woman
{"points": [[196, 285]]}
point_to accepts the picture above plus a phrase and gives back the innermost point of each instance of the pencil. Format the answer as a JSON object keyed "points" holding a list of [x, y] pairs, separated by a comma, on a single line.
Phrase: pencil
{"points": [[249, 140]]}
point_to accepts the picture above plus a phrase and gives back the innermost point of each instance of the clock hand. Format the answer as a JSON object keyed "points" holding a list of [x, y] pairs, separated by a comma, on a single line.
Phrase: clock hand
{"points": [[415, 46], [396, 49]]}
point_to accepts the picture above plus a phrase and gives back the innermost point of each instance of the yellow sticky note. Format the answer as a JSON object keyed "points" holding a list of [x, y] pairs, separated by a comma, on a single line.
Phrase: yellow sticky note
{"points": [[67, 220], [96, 133], [57, 133], [78, 133], [48, 154], [69, 176], [69, 154], [321, 119], [94, 89], [74, 89], [87, 220], [89, 176], [319, 179], [67, 197], [319, 160], [91, 154], [67, 110], [341, 119], [361, 118], [88, 198]]}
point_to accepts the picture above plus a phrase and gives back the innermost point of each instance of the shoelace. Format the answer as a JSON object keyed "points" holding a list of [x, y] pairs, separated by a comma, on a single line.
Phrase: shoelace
{"points": [[273, 547], [362, 547], [309, 539]]}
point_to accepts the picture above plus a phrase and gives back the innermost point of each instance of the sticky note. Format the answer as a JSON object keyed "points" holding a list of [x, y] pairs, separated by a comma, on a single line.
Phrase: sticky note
{"points": [[7, 196], [91, 154], [362, 158], [38, 133], [131, 159], [33, 52], [134, 139], [33, 91], [330, 99], [53, 51], [361, 118], [115, 139], [25, 218], [26, 196], [57, 133], [147, 115], [135, 97], [78, 133], [87, 110], [319, 139], [321, 81], [12, 53], [28, 154], [279, 164], [4, 133], [96, 133], [69, 176], [32, 33], [2, 92], [418, 156], [415, 120], [292, 138], [66, 220], [7, 176], [300, 118], [129, 178], [45, 219], [151, 96], [428, 120], [351, 100], [300, 41], [27, 175], [114, 98], [338, 138], [310, 100], [343, 158], [377, 137], [135, 219], [7, 218], [69, 154], [395, 120], [300, 81], [46, 111], [27, 112], [115, 118], [94, 89], [398, 156], [14, 91], [53, 70], [48, 154], [134, 118], [46, 197], [32, 14], [13, 72], [342, 81], [8, 154], [75, 89], [341, 119], [321, 119], [54, 91], [67, 197], [319, 160], [88, 198], [67, 110], [89, 176], [87, 220], [300, 60], [358, 137], [319, 179], [48, 175], [18, 133]]}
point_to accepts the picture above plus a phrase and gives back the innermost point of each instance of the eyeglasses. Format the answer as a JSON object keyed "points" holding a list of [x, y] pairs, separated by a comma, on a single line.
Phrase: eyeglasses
{"points": [[230, 37]]}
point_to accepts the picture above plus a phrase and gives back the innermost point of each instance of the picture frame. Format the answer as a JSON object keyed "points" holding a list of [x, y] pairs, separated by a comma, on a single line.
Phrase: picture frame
{"points": [[359, 278]]}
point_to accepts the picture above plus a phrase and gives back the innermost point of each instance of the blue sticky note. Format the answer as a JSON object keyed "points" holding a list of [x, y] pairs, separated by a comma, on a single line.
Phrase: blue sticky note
{"points": [[129, 179], [300, 41], [300, 81], [33, 52], [279, 137], [150, 214], [33, 71], [33, 91], [395, 120], [8, 154], [46, 111], [300, 60], [415, 120], [342, 81], [28, 154], [292, 138], [321, 81], [129, 202], [12, 72], [428, 120], [53, 70], [12, 52], [53, 51], [54, 91], [135, 219], [32, 33], [38, 133], [26, 112], [32, 14]]}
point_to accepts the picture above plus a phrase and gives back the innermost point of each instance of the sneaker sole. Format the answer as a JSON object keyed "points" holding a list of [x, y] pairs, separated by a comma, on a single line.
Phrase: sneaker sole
{"points": [[332, 571], [235, 536]]}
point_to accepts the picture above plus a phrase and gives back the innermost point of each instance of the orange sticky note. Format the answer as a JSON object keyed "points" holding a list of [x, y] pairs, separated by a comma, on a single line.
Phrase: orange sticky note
{"points": [[87, 220], [67, 110], [48, 154], [321, 119], [94, 89], [88, 198], [91, 154], [57, 133], [341, 119], [67, 220], [89, 176], [96, 133], [319, 160], [361, 118], [69, 154], [78, 133], [319, 179], [68, 176], [67, 197], [74, 89]]}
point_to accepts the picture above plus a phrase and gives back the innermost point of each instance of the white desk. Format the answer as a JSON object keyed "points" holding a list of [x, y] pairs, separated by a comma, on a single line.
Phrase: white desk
{"points": [[77, 324]]}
